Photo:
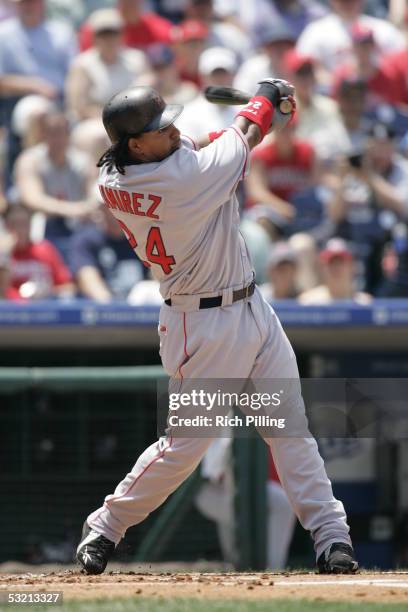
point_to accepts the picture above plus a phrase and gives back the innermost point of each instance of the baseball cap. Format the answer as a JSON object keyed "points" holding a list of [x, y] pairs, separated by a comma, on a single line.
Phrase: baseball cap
{"points": [[335, 247], [26, 108], [361, 33], [278, 32], [294, 61], [216, 58], [105, 20], [191, 29], [282, 252]]}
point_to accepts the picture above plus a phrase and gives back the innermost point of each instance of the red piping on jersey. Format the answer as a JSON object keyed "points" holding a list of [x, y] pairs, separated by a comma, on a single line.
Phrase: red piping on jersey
{"points": [[192, 141], [186, 355], [246, 150]]}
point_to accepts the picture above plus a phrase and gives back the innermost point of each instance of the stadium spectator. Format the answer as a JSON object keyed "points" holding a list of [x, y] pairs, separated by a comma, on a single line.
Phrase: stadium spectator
{"points": [[36, 270], [281, 272], [55, 179], [102, 261], [272, 44], [351, 94], [98, 73], [34, 53], [386, 171], [164, 76], [306, 249], [337, 269], [140, 29], [27, 119], [328, 40], [369, 194], [221, 33], [367, 63], [189, 39], [351, 97], [34, 57], [318, 117], [294, 14], [217, 66], [281, 167]]}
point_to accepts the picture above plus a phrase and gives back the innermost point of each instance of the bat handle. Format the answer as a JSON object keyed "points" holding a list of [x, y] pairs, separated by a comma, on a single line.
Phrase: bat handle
{"points": [[286, 106]]}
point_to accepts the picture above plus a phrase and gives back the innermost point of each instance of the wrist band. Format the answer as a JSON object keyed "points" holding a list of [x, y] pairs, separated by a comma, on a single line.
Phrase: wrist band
{"points": [[259, 110]]}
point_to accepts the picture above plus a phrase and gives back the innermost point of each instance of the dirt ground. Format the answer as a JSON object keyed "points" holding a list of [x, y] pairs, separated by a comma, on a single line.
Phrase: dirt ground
{"points": [[121, 581]]}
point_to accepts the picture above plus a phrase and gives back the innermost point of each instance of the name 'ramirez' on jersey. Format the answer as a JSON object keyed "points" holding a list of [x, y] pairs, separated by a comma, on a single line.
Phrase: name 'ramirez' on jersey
{"points": [[181, 215]]}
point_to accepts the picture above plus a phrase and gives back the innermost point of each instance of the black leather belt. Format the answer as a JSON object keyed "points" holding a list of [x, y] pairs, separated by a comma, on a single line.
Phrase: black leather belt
{"points": [[213, 302]]}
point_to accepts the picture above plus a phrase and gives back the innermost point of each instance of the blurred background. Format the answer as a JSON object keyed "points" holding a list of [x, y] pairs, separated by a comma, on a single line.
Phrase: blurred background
{"points": [[324, 212]]}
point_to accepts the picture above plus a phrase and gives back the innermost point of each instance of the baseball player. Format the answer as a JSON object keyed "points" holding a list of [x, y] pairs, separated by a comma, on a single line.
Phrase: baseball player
{"points": [[175, 201]]}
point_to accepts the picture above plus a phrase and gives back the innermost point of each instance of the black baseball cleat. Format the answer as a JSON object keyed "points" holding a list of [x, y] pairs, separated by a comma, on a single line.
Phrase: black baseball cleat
{"points": [[338, 558], [94, 551]]}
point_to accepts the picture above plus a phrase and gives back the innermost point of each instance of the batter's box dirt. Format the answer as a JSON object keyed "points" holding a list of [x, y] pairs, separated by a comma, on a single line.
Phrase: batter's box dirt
{"points": [[379, 587]]}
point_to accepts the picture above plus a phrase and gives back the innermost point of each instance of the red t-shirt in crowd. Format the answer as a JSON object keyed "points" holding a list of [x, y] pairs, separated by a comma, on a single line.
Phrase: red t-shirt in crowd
{"points": [[399, 62], [150, 29], [288, 175], [39, 263], [384, 86]]}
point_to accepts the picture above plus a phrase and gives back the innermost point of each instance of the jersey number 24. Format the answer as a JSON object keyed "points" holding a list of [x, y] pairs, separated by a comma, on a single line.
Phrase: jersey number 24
{"points": [[155, 249]]}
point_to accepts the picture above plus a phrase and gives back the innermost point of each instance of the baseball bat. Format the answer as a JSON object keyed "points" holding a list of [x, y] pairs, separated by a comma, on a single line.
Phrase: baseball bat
{"points": [[231, 96]]}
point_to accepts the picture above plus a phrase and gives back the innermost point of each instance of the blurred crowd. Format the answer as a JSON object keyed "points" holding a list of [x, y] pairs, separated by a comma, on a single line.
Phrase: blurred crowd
{"points": [[325, 208]]}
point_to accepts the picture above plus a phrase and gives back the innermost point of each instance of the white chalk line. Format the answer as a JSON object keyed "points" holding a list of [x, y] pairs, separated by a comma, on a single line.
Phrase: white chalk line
{"points": [[343, 582]]}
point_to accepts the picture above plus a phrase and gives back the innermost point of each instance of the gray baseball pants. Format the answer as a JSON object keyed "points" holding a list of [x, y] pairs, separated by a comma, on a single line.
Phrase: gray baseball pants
{"points": [[242, 340]]}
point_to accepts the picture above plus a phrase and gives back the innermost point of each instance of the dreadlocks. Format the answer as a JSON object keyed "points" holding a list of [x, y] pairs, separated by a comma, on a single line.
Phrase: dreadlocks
{"points": [[117, 155]]}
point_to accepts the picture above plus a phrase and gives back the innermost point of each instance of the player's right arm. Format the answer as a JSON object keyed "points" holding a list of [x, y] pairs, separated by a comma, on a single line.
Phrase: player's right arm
{"points": [[251, 131]]}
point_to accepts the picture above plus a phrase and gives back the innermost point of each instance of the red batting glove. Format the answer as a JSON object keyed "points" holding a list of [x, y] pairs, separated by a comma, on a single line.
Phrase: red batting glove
{"points": [[259, 110]]}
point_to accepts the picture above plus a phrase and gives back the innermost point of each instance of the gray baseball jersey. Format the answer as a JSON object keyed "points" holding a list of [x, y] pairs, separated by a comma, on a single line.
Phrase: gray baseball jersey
{"points": [[181, 215]]}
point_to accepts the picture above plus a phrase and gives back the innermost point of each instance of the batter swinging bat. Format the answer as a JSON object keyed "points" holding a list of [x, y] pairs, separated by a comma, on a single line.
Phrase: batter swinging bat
{"points": [[231, 96]]}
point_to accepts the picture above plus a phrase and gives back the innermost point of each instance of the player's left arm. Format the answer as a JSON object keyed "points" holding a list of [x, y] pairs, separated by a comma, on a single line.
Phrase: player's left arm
{"points": [[262, 113]]}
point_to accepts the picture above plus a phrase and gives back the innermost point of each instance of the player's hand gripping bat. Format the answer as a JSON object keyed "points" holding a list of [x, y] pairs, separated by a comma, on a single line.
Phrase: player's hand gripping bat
{"points": [[230, 96]]}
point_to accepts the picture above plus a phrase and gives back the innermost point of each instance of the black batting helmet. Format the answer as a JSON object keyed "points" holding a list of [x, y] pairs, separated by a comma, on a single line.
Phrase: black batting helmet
{"points": [[137, 110]]}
